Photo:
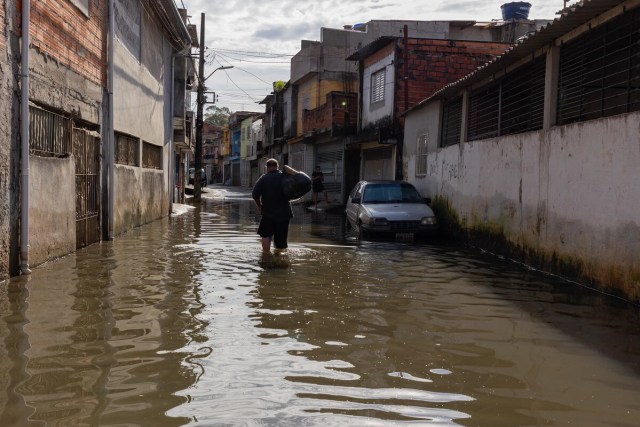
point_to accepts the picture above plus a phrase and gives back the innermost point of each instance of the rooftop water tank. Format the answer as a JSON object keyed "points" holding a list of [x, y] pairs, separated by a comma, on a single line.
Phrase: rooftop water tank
{"points": [[515, 10]]}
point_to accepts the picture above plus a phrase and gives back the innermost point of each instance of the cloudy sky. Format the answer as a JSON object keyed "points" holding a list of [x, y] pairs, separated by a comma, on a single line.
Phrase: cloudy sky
{"points": [[259, 37]]}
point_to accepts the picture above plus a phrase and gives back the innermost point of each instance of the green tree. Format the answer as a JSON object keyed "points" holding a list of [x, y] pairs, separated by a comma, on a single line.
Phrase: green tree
{"points": [[279, 85], [218, 116]]}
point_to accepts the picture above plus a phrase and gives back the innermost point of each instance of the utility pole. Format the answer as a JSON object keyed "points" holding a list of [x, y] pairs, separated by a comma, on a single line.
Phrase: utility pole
{"points": [[197, 176]]}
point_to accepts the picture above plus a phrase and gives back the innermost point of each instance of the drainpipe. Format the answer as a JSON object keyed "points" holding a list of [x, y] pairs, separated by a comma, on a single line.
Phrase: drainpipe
{"points": [[171, 141], [24, 127], [110, 130]]}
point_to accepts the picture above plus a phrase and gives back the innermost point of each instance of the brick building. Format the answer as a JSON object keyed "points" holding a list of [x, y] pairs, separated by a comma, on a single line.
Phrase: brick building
{"points": [[86, 139], [396, 73]]}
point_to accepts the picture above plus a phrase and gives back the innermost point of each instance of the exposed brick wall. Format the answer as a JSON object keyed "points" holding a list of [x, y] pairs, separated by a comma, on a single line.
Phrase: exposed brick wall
{"points": [[337, 112], [61, 31], [433, 64]]}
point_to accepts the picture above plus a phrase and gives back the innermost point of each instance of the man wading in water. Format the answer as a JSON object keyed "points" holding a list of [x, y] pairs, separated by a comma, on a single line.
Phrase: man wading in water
{"points": [[274, 207]]}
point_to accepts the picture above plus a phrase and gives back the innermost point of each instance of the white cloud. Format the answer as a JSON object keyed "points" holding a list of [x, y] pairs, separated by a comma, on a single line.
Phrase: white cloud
{"points": [[278, 26]]}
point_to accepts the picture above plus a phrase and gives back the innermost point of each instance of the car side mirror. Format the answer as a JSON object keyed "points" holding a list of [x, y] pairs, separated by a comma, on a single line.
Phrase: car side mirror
{"points": [[427, 200], [356, 200]]}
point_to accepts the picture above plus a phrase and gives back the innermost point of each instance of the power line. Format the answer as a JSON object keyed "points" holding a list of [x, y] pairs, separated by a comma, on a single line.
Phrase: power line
{"points": [[252, 53], [234, 83]]}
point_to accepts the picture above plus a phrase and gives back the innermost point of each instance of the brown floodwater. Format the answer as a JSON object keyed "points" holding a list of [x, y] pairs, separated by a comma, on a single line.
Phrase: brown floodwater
{"points": [[184, 322]]}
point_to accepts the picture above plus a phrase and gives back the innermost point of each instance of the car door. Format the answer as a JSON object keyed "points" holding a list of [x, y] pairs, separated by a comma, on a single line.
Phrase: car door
{"points": [[353, 203]]}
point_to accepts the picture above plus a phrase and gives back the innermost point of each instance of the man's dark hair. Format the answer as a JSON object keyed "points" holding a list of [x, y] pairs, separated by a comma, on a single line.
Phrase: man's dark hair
{"points": [[272, 162]]}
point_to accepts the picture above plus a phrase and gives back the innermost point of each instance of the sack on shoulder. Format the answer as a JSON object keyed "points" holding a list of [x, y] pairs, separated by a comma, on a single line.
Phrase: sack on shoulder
{"points": [[296, 186]]}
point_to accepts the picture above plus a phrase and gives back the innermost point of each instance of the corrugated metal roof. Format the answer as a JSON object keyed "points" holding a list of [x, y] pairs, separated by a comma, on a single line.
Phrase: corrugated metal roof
{"points": [[570, 18]]}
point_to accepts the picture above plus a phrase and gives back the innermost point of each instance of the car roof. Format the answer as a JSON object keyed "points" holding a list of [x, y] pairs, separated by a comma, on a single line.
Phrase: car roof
{"points": [[383, 181]]}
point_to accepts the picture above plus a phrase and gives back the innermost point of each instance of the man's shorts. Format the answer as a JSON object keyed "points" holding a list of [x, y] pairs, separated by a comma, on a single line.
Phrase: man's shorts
{"points": [[278, 230]]}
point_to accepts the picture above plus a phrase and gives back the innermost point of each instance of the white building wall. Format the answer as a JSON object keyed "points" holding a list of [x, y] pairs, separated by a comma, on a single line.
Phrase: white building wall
{"points": [[138, 98], [570, 194], [372, 115], [142, 96]]}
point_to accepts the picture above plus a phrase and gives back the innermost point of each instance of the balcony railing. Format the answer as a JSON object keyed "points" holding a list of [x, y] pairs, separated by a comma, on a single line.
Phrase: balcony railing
{"points": [[337, 116]]}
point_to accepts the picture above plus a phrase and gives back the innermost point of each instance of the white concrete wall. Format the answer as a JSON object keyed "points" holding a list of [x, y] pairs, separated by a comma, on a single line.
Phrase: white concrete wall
{"points": [[135, 201], [570, 195], [142, 101], [372, 115], [138, 98], [52, 208], [426, 120]]}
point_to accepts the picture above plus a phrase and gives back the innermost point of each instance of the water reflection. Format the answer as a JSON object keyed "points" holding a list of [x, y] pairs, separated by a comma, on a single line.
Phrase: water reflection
{"points": [[186, 322]]}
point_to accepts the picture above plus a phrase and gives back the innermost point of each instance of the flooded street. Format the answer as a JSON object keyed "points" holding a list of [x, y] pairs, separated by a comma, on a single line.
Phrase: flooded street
{"points": [[184, 322]]}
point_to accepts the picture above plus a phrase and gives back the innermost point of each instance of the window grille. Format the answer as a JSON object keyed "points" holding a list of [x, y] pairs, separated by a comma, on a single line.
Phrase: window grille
{"points": [[600, 71], [421, 155], [377, 86], [484, 105], [151, 156], [522, 98], [126, 150], [49, 133], [451, 122]]}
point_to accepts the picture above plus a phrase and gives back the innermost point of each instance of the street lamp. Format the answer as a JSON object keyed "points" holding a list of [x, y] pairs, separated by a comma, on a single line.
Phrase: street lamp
{"points": [[224, 67]]}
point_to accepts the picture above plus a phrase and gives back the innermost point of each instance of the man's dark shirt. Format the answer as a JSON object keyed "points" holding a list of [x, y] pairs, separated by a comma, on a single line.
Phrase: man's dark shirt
{"points": [[268, 190]]}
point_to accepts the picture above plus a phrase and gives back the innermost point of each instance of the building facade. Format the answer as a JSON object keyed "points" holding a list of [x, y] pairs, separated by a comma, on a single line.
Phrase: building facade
{"points": [[212, 147], [538, 150], [88, 147], [324, 87]]}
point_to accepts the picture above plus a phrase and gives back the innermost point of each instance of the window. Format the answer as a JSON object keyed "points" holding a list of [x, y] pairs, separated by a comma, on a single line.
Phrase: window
{"points": [[599, 74], [49, 133], [522, 98], [451, 122], [377, 86], [126, 150], [484, 112], [421, 155], [151, 156]]}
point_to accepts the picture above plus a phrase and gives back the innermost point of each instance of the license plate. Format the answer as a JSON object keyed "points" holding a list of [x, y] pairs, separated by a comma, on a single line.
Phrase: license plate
{"points": [[404, 236]]}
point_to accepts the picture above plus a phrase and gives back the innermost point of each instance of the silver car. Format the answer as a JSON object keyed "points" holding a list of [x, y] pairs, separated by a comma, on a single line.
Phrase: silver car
{"points": [[393, 208]]}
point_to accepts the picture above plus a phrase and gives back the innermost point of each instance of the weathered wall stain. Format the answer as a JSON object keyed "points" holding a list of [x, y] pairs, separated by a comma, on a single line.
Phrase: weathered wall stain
{"points": [[566, 199]]}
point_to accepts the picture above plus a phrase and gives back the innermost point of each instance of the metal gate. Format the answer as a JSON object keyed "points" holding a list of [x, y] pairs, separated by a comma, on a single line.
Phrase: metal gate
{"points": [[330, 158], [86, 150]]}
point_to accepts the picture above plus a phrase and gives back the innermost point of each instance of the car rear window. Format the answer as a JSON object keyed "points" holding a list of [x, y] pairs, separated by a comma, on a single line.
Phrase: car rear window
{"points": [[391, 193]]}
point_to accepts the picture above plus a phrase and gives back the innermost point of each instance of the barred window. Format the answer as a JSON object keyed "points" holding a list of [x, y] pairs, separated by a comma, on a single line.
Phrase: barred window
{"points": [[522, 98], [451, 122], [49, 133], [126, 150], [421, 154], [600, 71], [484, 105], [377, 86], [151, 156]]}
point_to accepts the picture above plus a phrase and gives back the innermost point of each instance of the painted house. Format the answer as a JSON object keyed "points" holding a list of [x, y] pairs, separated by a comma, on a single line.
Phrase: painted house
{"points": [[276, 126], [539, 148], [256, 149], [246, 151], [212, 136]]}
